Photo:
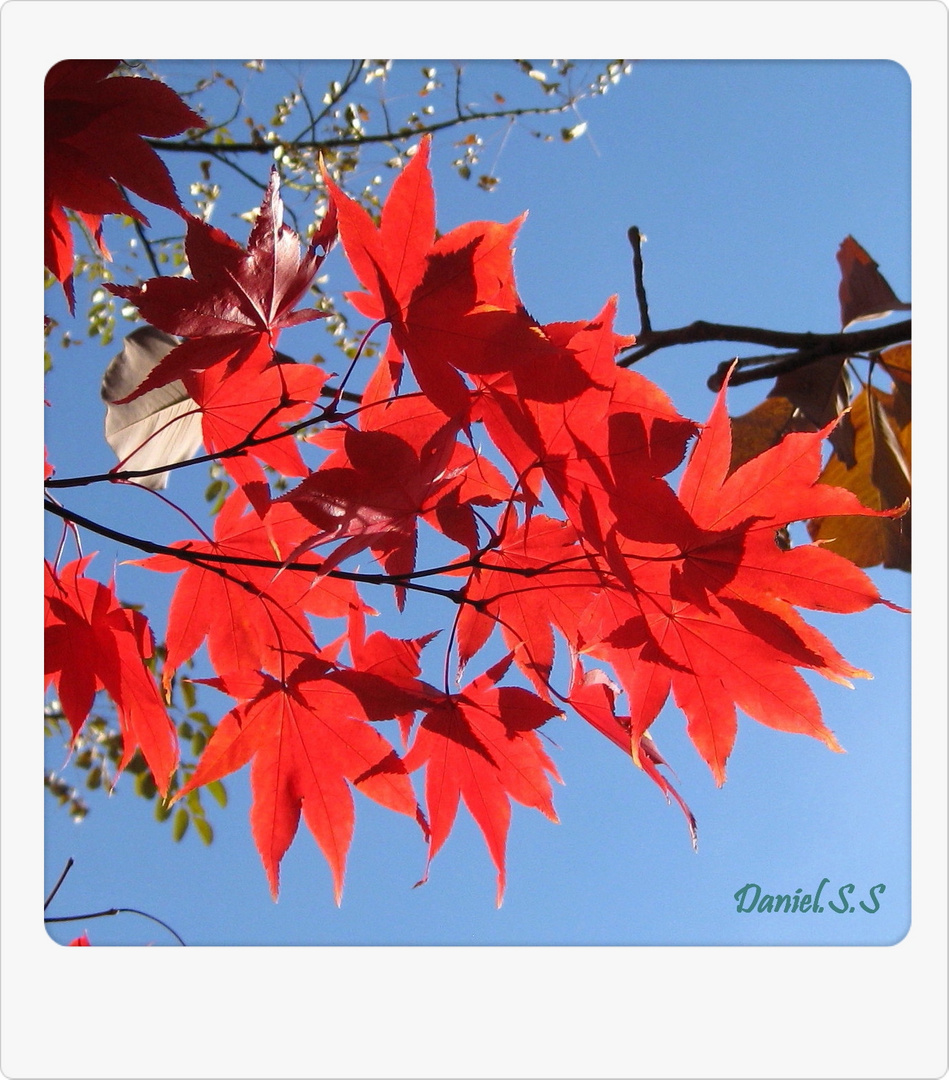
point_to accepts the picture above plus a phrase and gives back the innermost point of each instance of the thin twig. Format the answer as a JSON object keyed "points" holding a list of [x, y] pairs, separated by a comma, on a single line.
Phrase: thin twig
{"points": [[113, 911], [62, 878], [344, 142], [750, 369], [237, 450], [635, 239]]}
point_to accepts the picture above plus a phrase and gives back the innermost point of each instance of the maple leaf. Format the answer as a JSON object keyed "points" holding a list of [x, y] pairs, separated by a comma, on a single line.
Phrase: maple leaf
{"points": [[83, 939], [537, 577], [92, 133], [94, 643], [232, 410], [372, 491], [237, 301], [308, 738], [405, 464], [451, 301], [167, 424], [481, 746], [395, 659], [250, 615], [600, 435], [717, 625]]}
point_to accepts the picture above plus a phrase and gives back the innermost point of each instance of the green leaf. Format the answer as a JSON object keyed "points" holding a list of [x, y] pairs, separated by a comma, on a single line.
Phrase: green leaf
{"points": [[204, 830], [217, 792], [180, 825]]}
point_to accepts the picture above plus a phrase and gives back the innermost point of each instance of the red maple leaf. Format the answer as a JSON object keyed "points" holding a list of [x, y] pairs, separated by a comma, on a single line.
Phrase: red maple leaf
{"points": [[600, 435], [93, 643], [405, 464], [83, 939], [309, 737], [593, 696], [395, 659], [481, 746], [451, 300], [234, 409], [93, 143], [536, 578], [251, 616], [233, 307], [713, 618]]}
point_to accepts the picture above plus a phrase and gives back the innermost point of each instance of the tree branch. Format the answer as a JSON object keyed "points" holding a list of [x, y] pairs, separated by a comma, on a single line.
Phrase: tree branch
{"points": [[814, 345], [247, 443], [197, 145], [113, 911], [199, 558]]}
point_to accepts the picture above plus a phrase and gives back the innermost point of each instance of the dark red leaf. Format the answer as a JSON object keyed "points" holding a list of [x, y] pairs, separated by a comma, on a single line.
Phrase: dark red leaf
{"points": [[93, 143], [237, 301]]}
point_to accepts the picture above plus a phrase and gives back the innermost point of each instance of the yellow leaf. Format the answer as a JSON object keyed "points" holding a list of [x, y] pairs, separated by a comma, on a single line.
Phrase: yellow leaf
{"points": [[880, 478]]}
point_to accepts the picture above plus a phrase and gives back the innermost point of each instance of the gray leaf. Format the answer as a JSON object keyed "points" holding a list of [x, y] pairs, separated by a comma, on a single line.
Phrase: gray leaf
{"points": [[161, 427]]}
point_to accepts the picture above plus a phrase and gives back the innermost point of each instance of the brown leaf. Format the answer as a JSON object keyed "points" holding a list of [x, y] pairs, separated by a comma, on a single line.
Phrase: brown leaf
{"points": [[806, 399], [864, 292], [898, 362], [759, 429], [880, 478]]}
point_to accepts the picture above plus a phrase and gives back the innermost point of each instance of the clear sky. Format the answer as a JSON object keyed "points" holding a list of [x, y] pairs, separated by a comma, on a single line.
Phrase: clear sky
{"points": [[717, 163], [745, 176]]}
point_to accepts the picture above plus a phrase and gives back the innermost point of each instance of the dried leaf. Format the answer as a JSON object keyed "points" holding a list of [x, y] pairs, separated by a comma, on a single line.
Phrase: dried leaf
{"points": [[864, 292], [161, 427], [879, 477]]}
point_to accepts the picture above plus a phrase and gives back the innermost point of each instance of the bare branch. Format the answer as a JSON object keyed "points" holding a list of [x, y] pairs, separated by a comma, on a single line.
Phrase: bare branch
{"points": [[635, 239], [346, 141], [815, 345]]}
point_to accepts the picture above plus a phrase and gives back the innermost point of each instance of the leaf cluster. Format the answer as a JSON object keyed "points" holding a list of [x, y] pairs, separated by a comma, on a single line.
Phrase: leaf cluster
{"points": [[518, 473]]}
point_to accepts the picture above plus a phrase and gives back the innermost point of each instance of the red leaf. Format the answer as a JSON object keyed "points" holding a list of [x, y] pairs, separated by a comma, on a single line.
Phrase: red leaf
{"points": [[94, 643], [593, 696], [251, 616], [308, 738], [537, 578], [715, 621], [377, 483], [480, 745], [93, 129], [233, 408], [83, 939], [394, 659], [451, 302], [236, 302]]}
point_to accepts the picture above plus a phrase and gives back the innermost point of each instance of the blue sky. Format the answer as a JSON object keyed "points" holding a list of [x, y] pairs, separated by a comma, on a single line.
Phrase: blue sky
{"points": [[745, 178], [716, 164]]}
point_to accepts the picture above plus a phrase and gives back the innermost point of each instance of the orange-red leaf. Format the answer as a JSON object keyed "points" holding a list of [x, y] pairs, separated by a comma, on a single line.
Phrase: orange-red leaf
{"points": [[93, 643], [481, 746], [251, 616], [308, 738]]}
